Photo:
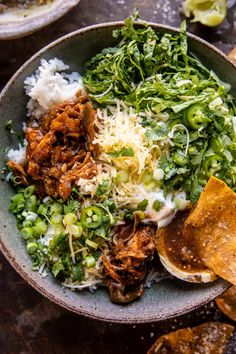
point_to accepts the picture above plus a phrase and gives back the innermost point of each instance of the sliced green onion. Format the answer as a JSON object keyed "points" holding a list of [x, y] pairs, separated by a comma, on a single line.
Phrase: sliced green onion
{"points": [[31, 203], [52, 244], [29, 191], [56, 208], [56, 218], [32, 247], [157, 205], [122, 176], [91, 244], [69, 219], [90, 261], [147, 178], [42, 209], [30, 215], [18, 198], [35, 230], [142, 205], [41, 227], [27, 223], [17, 203], [75, 230], [58, 229], [27, 233]]}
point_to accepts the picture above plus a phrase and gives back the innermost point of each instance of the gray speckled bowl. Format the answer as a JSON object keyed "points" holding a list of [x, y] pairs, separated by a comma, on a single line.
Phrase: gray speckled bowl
{"points": [[166, 299]]}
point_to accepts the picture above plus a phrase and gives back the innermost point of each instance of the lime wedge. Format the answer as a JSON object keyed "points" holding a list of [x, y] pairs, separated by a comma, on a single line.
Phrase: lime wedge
{"points": [[208, 12]]}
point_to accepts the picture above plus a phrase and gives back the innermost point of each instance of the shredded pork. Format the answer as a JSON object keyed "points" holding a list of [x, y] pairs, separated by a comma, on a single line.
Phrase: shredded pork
{"points": [[60, 149]]}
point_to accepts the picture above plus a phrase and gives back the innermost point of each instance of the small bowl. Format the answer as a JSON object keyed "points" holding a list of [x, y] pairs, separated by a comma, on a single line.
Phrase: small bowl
{"points": [[163, 300], [16, 23]]}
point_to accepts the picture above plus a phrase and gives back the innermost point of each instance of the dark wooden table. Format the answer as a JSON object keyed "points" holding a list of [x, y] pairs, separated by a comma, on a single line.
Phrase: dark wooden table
{"points": [[30, 323]]}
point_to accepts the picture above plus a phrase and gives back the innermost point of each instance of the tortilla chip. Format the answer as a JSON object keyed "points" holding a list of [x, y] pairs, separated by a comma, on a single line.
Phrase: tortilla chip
{"points": [[227, 303], [210, 338], [176, 255], [211, 228]]}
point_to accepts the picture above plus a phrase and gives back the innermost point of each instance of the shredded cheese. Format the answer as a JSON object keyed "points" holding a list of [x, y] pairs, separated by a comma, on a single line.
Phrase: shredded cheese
{"points": [[119, 127]]}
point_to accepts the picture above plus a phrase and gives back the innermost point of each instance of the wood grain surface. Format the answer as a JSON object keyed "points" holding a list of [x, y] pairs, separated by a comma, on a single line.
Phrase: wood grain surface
{"points": [[28, 322]]}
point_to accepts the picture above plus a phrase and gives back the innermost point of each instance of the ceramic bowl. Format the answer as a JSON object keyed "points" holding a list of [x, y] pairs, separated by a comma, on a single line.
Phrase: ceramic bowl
{"points": [[16, 23], [163, 300]]}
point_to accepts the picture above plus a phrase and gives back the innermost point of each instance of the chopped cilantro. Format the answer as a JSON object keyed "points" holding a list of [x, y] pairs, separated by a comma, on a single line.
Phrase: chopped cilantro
{"points": [[123, 152]]}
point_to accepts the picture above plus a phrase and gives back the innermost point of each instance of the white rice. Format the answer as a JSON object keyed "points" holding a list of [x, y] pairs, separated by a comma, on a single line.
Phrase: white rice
{"points": [[18, 155], [50, 85], [155, 276]]}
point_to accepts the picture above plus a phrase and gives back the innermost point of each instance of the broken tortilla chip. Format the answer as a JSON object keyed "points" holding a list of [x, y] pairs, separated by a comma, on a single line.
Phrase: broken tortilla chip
{"points": [[211, 228], [227, 303], [210, 338], [176, 255]]}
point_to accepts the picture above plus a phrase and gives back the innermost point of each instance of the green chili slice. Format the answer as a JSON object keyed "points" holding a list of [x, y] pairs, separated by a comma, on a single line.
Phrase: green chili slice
{"points": [[179, 158], [211, 164], [195, 117], [91, 217]]}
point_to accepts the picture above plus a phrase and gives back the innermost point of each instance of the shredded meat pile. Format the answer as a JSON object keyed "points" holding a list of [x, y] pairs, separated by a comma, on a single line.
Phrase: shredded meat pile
{"points": [[60, 149], [126, 262]]}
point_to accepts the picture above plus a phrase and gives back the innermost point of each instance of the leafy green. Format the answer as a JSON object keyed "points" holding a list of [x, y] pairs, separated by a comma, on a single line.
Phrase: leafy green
{"points": [[57, 267], [157, 74]]}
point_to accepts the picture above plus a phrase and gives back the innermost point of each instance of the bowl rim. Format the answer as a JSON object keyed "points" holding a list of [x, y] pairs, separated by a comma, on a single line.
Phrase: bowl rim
{"points": [[14, 30], [7, 252]]}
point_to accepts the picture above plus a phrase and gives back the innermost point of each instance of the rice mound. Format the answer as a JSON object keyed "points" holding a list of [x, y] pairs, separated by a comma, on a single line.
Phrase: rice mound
{"points": [[51, 85]]}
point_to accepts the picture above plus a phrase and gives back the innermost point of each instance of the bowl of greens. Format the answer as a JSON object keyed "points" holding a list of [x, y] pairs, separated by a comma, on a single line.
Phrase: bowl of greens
{"points": [[107, 134]]}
